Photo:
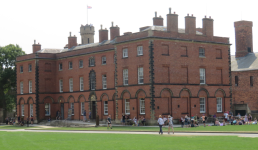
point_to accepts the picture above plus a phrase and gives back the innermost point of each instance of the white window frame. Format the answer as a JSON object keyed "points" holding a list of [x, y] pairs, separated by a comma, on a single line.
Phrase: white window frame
{"points": [[82, 108], [30, 68], [71, 84], [140, 75], [219, 104], [104, 81], [142, 106], [202, 105], [70, 65], [31, 110], [60, 66], [21, 87], [80, 63], [92, 62], [72, 107], [125, 53], [202, 76], [125, 76], [127, 106], [81, 84], [30, 86], [61, 85], [22, 110], [105, 107], [49, 110], [104, 60], [201, 52], [139, 50]]}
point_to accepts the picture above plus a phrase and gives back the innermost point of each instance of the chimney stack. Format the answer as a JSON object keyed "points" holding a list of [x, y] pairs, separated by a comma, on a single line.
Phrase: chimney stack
{"points": [[103, 34], [72, 41], [172, 22], [36, 47], [157, 21], [207, 26], [190, 24], [114, 31], [243, 37]]}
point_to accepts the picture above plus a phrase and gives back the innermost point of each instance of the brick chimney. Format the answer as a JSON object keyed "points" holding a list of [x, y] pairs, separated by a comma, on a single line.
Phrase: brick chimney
{"points": [[114, 31], [190, 24], [157, 21], [172, 22], [36, 47], [72, 41], [103, 34], [207, 26], [244, 38]]}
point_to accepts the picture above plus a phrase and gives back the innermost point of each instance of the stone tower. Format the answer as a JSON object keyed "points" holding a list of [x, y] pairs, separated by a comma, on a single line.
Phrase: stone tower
{"points": [[87, 34], [244, 37]]}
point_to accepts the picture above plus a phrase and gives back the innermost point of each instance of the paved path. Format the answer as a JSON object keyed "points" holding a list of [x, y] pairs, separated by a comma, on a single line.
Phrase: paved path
{"points": [[153, 133]]}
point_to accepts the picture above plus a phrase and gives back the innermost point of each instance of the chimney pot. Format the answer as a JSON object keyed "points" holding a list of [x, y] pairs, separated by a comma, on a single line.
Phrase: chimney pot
{"points": [[36, 47], [205, 16], [112, 23], [169, 10], [155, 14], [101, 27], [210, 16], [70, 33], [34, 41], [192, 15], [174, 12]]}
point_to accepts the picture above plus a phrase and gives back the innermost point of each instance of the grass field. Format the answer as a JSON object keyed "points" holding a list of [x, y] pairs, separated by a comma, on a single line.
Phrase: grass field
{"points": [[78, 141], [229, 128]]}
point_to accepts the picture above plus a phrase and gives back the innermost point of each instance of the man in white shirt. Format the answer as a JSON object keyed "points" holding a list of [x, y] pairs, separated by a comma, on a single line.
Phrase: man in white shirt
{"points": [[226, 116]]}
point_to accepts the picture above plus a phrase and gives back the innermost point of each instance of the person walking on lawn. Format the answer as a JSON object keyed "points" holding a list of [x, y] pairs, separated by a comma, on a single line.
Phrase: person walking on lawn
{"points": [[109, 122], [170, 124], [161, 123], [203, 120]]}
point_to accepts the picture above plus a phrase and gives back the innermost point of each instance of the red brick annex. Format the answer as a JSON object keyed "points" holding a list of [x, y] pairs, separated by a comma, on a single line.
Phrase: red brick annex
{"points": [[159, 70]]}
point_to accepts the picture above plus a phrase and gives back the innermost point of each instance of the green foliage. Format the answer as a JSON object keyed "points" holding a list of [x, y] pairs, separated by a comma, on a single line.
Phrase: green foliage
{"points": [[8, 56]]}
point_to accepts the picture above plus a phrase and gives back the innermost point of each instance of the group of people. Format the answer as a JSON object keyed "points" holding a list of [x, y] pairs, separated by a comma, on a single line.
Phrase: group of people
{"points": [[162, 122], [21, 121], [235, 120], [187, 121], [136, 122]]}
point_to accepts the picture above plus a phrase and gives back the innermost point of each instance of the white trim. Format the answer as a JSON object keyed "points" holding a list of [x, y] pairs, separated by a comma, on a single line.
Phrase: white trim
{"points": [[22, 110], [202, 76], [202, 103], [30, 86], [70, 65], [105, 107], [139, 50], [49, 109], [140, 75], [72, 107], [61, 85], [127, 109], [219, 104], [60, 68], [71, 84], [29, 67], [31, 110], [104, 81], [21, 87], [125, 76], [125, 53], [142, 106], [103, 60], [82, 108], [80, 63], [81, 84]]}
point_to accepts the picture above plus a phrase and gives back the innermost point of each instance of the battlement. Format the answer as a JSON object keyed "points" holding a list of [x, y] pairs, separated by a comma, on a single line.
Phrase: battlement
{"points": [[87, 34], [87, 29]]}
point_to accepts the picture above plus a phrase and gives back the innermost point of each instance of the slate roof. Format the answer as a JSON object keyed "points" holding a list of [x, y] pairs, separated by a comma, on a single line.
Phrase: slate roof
{"points": [[246, 63]]}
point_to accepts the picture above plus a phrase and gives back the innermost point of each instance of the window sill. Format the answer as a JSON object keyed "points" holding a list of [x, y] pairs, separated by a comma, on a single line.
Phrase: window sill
{"points": [[142, 114], [202, 112], [92, 66], [29, 71], [103, 64], [105, 114], [104, 88], [21, 72], [202, 57], [125, 57], [139, 55], [80, 67], [184, 56], [60, 70], [70, 69], [140, 83]]}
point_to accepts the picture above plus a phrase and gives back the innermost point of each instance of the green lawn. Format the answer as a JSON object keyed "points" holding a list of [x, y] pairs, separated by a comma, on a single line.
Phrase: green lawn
{"points": [[15, 127], [78, 141], [229, 128]]}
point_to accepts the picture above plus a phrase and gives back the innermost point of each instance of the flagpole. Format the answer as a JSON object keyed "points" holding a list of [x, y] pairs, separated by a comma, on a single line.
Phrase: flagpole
{"points": [[87, 13]]}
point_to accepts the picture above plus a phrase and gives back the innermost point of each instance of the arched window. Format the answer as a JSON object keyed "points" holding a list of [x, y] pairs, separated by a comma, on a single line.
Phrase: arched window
{"points": [[92, 80]]}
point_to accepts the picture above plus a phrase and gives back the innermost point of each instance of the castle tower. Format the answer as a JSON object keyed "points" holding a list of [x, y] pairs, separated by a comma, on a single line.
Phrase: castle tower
{"points": [[87, 34], [244, 37]]}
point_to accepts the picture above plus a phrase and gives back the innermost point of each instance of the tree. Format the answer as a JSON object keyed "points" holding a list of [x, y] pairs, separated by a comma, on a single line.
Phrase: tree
{"points": [[8, 56]]}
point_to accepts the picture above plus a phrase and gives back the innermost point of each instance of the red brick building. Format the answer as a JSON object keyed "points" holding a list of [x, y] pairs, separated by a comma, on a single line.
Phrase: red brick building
{"points": [[158, 70], [244, 66]]}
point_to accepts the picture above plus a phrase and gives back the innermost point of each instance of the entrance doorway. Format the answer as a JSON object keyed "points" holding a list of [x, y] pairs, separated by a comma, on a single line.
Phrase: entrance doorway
{"points": [[93, 110], [62, 111]]}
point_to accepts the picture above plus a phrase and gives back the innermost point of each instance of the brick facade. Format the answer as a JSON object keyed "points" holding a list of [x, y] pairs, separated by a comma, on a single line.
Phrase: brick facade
{"points": [[170, 82]]}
